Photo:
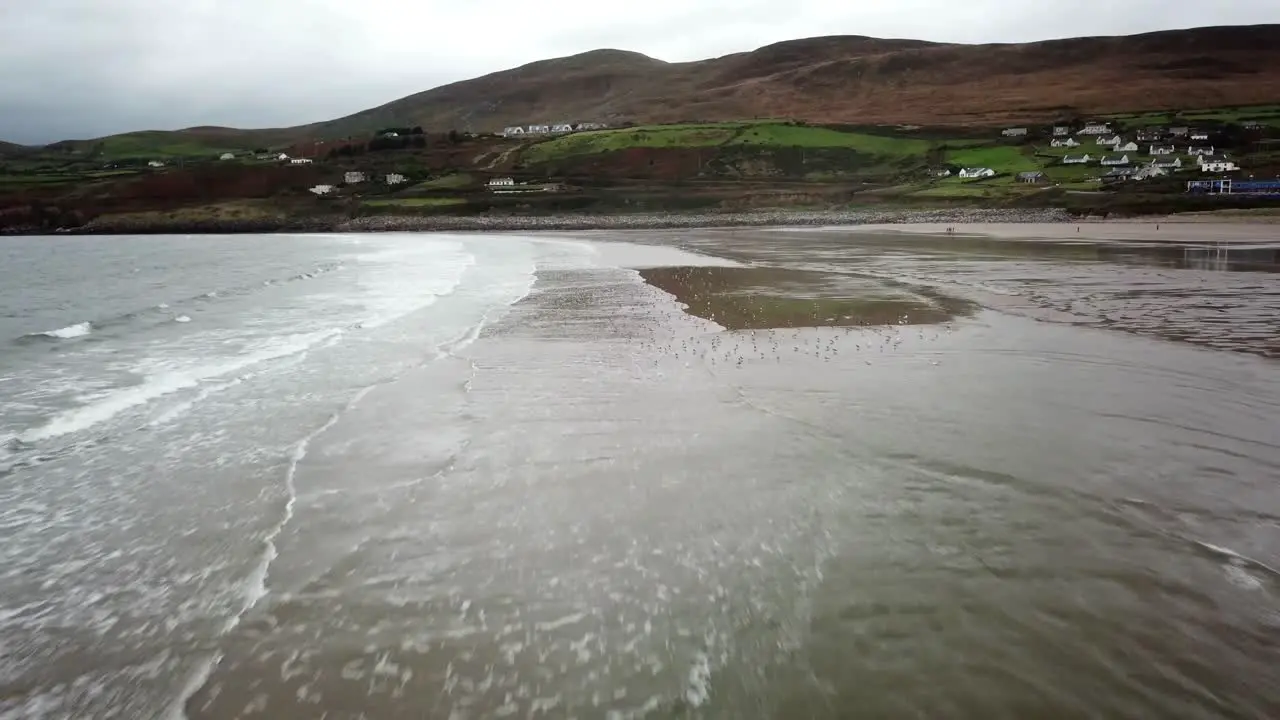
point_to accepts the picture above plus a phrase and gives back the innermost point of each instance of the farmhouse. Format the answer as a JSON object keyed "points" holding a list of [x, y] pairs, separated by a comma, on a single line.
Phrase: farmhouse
{"points": [[1128, 147], [1163, 150], [977, 173], [502, 182], [1096, 129], [1076, 159], [1167, 163], [1031, 177], [1110, 141], [227, 156], [1114, 160], [1014, 132], [1061, 130], [1217, 164], [1205, 150], [396, 179], [1065, 142]]}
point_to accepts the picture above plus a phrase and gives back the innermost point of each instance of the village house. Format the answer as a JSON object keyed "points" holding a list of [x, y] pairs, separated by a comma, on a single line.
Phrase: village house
{"points": [[1110, 141], [352, 177], [512, 131], [590, 126], [1167, 163], [1199, 134], [1076, 159], [1118, 174], [502, 182], [396, 179], [1180, 131], [977, 173], [155, 164], [1128, 147], [1014, 132], [1205, 150], [282, 157], [1065, 142], [1148, 135], [538, 130], [1217, 164], [300, 161], [1149, 171], [1031, 177], [322, 189], [1163, 150], [1252, 125], [1061, 130], [1114, 160], [227, 156], [943, 173], [1096, 129], [562, 128]]}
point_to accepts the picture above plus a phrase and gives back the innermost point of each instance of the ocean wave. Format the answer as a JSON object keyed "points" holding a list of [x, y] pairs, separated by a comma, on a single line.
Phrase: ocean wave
{"points": [[69, 332], [158, 385]]}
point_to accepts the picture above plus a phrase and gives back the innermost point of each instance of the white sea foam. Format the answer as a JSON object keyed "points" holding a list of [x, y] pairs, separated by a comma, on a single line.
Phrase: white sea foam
{"points": [[70, 331], [182, 319], [161, 384]]}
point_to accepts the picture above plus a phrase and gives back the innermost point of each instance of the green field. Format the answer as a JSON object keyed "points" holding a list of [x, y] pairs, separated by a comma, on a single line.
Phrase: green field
{"points": [[446, 182], [759, 134], [1001, 158], [414, 202]]}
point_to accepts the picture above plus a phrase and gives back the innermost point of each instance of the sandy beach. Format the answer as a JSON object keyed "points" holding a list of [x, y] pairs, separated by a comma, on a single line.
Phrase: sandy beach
{"points": [[738, 473]]}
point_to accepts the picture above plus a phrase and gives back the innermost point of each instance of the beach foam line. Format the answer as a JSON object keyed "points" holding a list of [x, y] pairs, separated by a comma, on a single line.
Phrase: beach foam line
{"points": [[69, 332], [160, 385]]}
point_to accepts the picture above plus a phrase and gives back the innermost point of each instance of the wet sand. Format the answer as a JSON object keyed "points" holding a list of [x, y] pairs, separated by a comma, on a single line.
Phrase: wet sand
{"points": [[825, 482], [1176, 229]]}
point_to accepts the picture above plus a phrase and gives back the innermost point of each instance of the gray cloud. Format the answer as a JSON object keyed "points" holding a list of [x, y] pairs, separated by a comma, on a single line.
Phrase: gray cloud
{"points": [[84, 68]]}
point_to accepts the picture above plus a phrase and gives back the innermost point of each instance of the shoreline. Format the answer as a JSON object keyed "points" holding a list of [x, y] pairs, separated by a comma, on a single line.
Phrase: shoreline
{"points": [[564, 222]]}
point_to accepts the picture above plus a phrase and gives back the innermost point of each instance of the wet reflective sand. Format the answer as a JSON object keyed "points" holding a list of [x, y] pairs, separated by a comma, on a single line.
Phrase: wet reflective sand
{"points": [[867, 494]]}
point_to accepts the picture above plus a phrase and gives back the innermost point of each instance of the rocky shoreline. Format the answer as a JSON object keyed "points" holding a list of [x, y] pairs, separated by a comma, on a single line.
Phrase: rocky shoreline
{"points": [[497, 223]]}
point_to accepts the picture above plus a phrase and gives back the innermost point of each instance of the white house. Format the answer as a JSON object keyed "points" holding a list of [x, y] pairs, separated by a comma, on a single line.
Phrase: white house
{"points": [[351, 177], [396, 179], [1163, 149], [300, 161], [1061, 130], [1193, 150], [944, 172], [1167, 163], [591, 126], [227, 156], [1128, 147], [155, 164], [1199, 134], [1149, 172], [1114, 160], [513, 131], [1065, 142], [977, 173], [322, 189], [1076, 159], [1110, 141], [1014, 132], [1031, 177], [1096, 129], [1217, 164], [562, 128], [502, 182], [282, 157], [538, 130], [1150, 135]]}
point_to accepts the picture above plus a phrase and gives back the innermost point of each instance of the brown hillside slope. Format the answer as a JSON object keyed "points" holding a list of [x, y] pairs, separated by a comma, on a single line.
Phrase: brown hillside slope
{"points": [[864, 80], [850, 79]]}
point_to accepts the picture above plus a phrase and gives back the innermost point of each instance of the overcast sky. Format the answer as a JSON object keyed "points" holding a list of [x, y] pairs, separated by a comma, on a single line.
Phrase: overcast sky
{"points": [[85, 68]]}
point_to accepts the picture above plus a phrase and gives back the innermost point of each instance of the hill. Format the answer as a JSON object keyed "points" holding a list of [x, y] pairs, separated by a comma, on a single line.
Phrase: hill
{"points": [[844, 79]]}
